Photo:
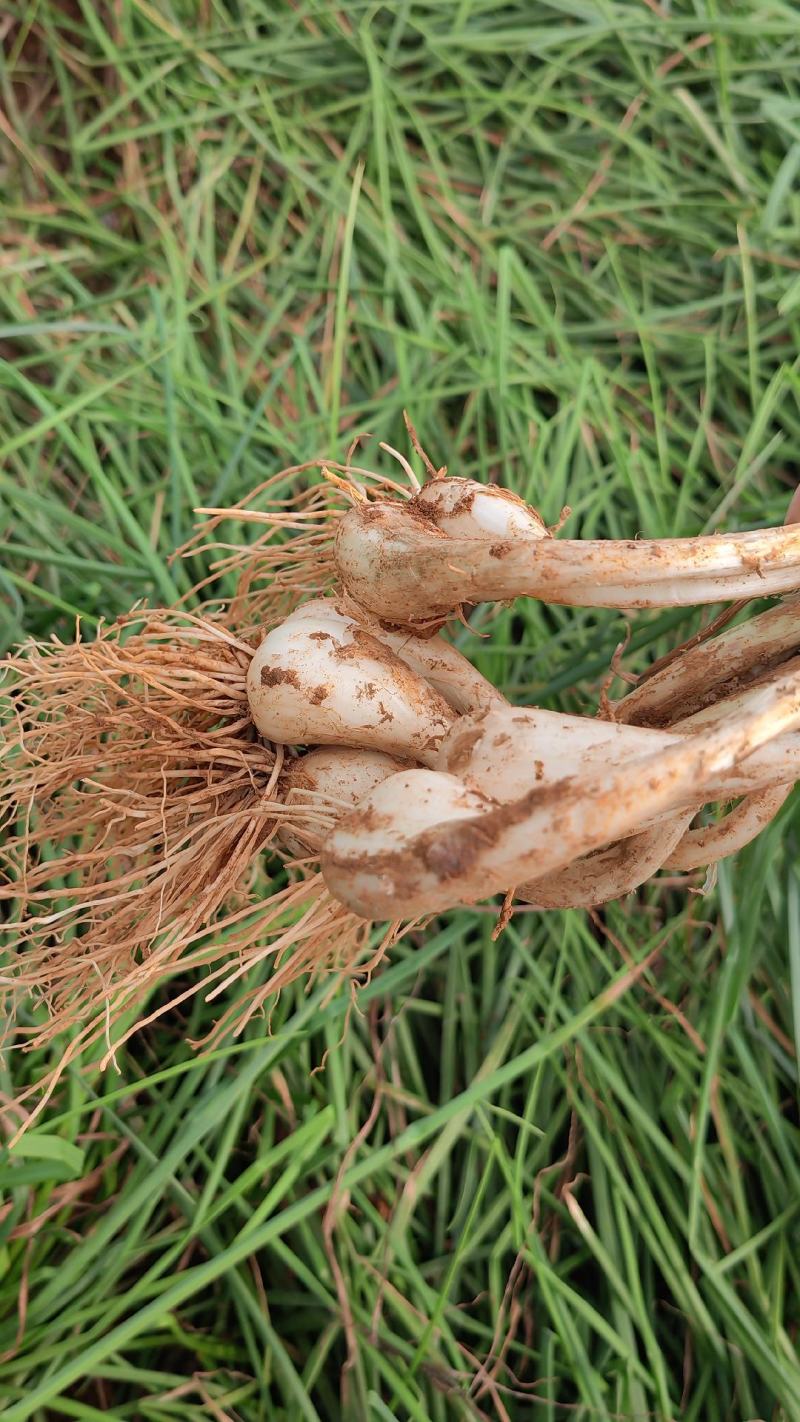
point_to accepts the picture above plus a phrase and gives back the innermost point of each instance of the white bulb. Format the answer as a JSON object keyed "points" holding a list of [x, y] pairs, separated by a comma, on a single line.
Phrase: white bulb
{"points": [[320, 678], [471, 510]]}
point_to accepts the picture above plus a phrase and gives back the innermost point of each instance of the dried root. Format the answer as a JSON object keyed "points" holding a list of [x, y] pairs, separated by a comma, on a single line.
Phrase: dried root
{"points": [[136, 801], [292, 556]]}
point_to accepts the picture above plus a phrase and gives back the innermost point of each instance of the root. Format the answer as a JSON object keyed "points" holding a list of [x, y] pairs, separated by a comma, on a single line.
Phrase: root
{"points": [[291, 558], [137, 750], [136, 801]]}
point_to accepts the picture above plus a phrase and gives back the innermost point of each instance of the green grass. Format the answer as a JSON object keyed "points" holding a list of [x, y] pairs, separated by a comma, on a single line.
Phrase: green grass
{"points": [[233, 236]]}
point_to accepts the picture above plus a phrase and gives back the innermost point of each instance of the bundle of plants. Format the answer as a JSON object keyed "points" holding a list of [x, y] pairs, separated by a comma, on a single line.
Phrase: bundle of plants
{"points": [[299, 773]]}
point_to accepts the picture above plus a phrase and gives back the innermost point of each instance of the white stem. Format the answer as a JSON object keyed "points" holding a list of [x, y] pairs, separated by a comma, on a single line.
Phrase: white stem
{"points": [[403, 566], [445, 669], [382, 860], [324, 678], [324, 785], [506, 748], [701, 675], [609, 873], [710, 843]]}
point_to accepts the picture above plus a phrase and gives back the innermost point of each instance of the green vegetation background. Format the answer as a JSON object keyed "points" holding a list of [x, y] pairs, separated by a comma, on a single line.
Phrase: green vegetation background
{"points": [[565, 236]]}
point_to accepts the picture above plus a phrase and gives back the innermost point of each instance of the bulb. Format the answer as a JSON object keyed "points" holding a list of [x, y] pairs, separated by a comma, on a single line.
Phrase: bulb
{"points": [[321, 679], [470, 510], [376, 855], [332, 779]]}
